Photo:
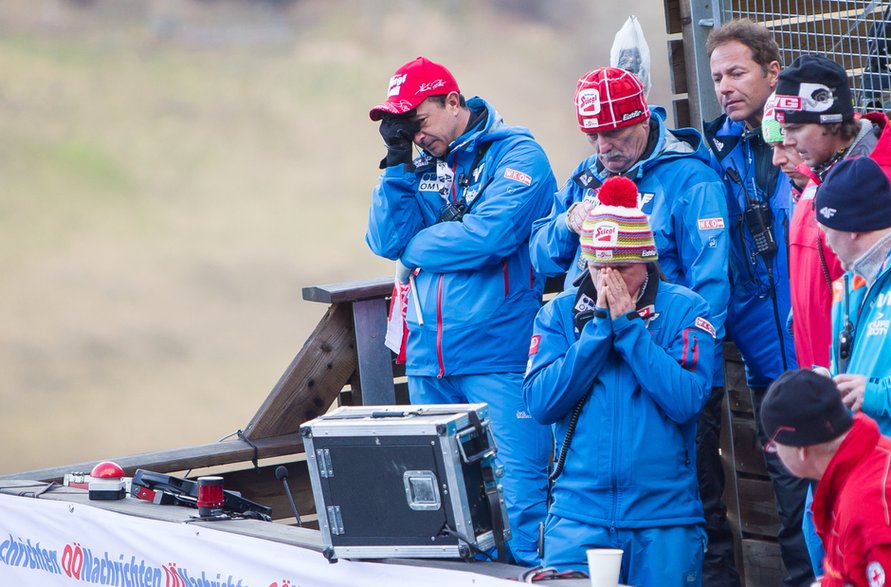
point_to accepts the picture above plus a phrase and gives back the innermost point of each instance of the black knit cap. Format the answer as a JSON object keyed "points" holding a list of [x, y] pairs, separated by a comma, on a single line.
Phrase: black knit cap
{"points": [[855, 197], [803, 408], [814, 89]]}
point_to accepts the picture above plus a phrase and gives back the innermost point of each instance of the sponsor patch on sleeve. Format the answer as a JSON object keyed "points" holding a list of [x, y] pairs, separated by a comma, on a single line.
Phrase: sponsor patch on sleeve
{"points": [[533, 346], [704, 324], [518, 176], [710, 223]]}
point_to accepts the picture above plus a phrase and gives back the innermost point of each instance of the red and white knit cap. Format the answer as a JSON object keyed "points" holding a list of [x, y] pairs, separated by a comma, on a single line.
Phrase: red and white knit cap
{"points": [[616, 231], [609, 98]]}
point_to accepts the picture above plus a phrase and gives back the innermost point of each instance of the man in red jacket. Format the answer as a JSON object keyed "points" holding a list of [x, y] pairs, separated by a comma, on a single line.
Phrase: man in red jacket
{"points": [[815, 436], [813, 103]]}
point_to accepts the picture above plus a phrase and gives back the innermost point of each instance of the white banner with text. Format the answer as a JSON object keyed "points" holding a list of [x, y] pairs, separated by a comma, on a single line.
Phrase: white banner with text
{"points": [[47, 543]]}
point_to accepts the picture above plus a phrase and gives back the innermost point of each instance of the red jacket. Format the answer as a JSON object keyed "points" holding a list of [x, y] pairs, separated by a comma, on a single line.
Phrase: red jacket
{"points": [[810, 284], [851, 509]]}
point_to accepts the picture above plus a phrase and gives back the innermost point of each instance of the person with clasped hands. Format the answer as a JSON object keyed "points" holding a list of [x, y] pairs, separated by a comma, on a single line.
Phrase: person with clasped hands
{"points": [[620, 365], [459, 216]]}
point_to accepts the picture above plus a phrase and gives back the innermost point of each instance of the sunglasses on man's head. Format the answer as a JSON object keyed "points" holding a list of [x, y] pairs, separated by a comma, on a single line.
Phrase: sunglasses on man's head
{"points": [[771, 446]]}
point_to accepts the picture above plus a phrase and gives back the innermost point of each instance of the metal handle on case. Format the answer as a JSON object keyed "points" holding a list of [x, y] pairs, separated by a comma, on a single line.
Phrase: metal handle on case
{"points": [[487, 450]]}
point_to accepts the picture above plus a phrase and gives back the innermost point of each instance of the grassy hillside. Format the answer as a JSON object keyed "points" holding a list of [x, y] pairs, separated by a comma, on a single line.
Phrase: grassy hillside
{"points": [[170, 182]]}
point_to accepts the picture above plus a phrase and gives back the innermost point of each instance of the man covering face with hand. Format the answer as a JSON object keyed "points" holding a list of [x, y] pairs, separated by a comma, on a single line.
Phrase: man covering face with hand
{"points": [[620, 364]]}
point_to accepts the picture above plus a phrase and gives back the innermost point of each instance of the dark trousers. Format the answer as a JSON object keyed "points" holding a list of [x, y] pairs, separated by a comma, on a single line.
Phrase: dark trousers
{"points": [[790, 492], [718, 569]]}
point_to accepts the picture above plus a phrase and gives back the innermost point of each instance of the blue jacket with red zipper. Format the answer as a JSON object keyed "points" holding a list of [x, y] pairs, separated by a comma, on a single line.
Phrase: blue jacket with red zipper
{"points": [[476, 288], [631, 462]]}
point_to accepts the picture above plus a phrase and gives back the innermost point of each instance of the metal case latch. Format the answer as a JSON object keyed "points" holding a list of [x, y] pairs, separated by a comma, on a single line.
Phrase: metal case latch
{"points": [[421, 490]]}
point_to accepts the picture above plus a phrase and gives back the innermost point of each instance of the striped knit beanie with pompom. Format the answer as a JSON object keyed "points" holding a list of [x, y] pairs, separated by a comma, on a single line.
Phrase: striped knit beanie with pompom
{"points": [[616, 232]]}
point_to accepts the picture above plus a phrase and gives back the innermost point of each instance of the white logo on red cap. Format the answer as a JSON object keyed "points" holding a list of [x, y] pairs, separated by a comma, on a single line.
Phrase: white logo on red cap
{"points": [[588, 102], [428, 87], [395, 85]]}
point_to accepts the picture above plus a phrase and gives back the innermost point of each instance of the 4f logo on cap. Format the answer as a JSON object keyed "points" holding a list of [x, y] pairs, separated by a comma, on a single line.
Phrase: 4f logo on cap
{"points": [[395, 85], [827, 212], [588, 102]]}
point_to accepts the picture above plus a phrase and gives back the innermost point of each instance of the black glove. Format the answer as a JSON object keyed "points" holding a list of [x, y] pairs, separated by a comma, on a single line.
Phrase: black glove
{"points": [[398, 132]]}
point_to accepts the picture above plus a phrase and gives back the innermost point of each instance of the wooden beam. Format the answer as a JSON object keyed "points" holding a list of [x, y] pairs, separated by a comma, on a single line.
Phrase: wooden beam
{"points": [[748, 454], [758, 509], [352, 291], [374, 358], [313, 380], [763, 563], [806, 13], [180, 459]]}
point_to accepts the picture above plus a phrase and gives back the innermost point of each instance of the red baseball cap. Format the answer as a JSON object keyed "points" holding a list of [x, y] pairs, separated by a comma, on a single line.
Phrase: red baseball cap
{"points": [[413, 83], [609, 98]]}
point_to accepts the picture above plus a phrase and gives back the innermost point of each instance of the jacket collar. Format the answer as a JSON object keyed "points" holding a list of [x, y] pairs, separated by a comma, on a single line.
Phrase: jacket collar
{"points": [[861, 440], [873, 261]]}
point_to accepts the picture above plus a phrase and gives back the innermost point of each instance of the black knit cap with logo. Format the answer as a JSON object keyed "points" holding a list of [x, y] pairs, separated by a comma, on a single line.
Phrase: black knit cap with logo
{"points": [[855, 197], [814, 89], [803, 408]]}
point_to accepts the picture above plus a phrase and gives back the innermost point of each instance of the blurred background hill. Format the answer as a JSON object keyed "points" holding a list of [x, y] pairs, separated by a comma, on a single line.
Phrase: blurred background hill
{"points": [[172, 172]]}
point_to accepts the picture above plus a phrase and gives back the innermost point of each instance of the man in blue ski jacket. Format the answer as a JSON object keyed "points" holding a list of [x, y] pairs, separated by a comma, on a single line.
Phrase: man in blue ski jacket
{"points": [[621, 366], [854, 210], [745, 66], [459, 217], [684, 200]]}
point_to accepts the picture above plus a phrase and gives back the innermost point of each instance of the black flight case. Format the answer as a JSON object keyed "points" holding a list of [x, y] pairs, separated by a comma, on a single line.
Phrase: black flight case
{"points": [[405, 481]]}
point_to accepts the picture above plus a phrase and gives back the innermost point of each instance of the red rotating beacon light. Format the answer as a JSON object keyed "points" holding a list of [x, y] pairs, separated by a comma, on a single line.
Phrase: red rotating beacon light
{"points": [[210, 496]]}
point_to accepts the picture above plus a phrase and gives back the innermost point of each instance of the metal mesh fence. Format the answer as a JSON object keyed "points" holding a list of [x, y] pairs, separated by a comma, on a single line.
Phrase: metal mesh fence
{"points": [[854, 33]]}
